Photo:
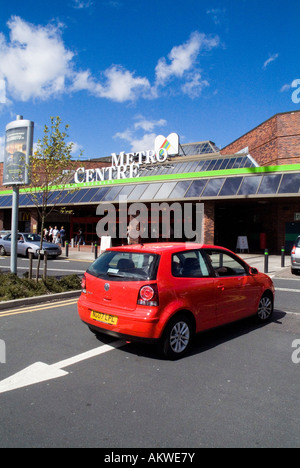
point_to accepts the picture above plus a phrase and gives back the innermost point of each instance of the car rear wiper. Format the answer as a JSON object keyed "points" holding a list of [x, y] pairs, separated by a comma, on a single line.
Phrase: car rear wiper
{"points": [[117, 275]]}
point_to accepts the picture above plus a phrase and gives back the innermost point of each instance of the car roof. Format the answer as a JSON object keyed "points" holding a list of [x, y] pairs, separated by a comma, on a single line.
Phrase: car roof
{"points": [[159, 247]]}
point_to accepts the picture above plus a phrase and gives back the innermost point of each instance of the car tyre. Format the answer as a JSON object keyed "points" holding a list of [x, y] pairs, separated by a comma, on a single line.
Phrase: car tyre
{"points": [[265, 308], [2, 251], [295, 272], [177, 337]]}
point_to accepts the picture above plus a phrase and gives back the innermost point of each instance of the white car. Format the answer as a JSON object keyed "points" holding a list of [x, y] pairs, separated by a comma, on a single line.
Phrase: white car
{"points": [[295, 257], [4, 233], [28, 241]]}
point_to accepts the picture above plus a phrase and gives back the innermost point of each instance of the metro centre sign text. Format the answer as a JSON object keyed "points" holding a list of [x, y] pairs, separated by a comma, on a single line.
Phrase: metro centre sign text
{"points": [[124, 166]]}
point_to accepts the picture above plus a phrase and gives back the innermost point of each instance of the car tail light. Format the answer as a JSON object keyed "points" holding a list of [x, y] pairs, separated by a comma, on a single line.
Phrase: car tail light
{"points": [[83, 284], [294, 250], [148, 295]]}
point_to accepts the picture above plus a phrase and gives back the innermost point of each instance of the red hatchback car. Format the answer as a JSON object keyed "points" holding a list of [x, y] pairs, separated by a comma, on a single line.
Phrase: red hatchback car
{"points": [[168, 292]]}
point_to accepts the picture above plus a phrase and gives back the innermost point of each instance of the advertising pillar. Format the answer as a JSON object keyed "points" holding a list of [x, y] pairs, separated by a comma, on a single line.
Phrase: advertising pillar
{"points": [[18, 148]]}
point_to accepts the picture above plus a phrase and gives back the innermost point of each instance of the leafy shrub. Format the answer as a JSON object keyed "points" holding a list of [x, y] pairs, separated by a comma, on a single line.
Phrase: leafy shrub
{"points": [[14, 287]]}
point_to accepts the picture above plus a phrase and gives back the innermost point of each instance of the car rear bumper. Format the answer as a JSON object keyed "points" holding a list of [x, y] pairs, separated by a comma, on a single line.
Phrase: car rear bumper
{"points": [[140, 324], [123, 336], [295, 262]]}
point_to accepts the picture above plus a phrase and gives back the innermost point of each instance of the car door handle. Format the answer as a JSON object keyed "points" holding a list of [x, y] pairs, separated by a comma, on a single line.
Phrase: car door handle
{"points": [[221, 286]]}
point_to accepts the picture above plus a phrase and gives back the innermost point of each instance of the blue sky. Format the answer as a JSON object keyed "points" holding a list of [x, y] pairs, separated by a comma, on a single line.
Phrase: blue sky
{"points": [[120, 72]]}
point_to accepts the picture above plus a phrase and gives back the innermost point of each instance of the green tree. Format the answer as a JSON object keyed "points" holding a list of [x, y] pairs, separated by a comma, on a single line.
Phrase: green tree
{"points": [[50, 167]]}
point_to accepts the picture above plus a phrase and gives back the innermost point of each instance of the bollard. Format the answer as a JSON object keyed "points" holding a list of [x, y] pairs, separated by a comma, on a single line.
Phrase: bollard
{"points": [[282, 257], [67, 249], [45, 265], [96, 250], [266, 260], [30, 254]]}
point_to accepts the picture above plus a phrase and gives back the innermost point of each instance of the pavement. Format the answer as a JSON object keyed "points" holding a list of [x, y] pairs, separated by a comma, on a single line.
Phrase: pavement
{"points": [[275, 270]]}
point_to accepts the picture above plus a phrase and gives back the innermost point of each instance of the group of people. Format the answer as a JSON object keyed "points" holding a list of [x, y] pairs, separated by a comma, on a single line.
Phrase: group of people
{"points": [[58, 236], [55, 235]]}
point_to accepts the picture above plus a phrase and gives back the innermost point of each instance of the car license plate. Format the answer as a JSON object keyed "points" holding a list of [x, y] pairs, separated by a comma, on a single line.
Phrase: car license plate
{"points": [[105, 318]]}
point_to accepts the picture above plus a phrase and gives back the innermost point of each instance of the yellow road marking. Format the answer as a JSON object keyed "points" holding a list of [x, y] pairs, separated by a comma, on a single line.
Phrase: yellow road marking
{"points": [[32, 308]]}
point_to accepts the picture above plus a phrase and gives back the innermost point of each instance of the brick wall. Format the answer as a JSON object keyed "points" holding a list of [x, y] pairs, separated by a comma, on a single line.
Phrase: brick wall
{"points": [[275, 142], [209, 222]]}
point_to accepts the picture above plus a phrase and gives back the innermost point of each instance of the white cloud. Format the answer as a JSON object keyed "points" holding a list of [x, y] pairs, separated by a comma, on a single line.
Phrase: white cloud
{"points": [[2, 91], [144, 143], [35, 63], [194, 86], [2, 144], [148, 125], [76, 148], [141, 142], [216, 14], [119, 84], [80, 4], [183, 58], [270, 59]]}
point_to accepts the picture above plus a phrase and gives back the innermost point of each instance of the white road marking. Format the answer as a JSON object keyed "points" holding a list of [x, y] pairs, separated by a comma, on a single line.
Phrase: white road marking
{"points": [[41, 372]]}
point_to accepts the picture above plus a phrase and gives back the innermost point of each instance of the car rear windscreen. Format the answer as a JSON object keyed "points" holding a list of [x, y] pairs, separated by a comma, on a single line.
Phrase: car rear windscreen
{"points": [[125, 266]]}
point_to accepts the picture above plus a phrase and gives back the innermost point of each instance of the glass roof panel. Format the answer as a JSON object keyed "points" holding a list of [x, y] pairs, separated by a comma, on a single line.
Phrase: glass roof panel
{"points": [[180, 189], [125, 191], [165, 190], [196, 188], [59, 197], [68, 197], [270, 184], [150, 192], [224, 164], [290, 184], [230, 186], [237, 163], [112, 193], [99, 194], [218, 164], [137, 192], [250, 185], [4, 200], [24, 200], [213, 187], [230, 163], [86, 195]]}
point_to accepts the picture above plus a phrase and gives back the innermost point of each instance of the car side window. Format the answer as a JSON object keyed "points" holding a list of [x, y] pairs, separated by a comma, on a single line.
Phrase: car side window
{"points": [[189, 264], [225, 264]]}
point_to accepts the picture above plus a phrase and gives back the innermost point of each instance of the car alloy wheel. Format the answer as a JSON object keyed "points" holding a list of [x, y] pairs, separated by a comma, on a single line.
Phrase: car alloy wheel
{"points": [[177, 337], [265, 308]]}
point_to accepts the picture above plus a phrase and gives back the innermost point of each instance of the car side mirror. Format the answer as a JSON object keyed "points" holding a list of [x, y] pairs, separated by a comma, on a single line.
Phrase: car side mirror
{"points": [[253, 271]]}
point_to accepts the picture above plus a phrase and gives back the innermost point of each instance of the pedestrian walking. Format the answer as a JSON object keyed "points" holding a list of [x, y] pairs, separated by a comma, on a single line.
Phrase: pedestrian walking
{"points": [[81, 237], [55, 233], [62, 233]]}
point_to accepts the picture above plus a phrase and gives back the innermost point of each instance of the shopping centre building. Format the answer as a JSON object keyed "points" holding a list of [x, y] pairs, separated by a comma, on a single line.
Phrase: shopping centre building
{"points": [[250, 189]]}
